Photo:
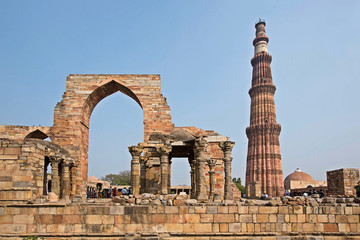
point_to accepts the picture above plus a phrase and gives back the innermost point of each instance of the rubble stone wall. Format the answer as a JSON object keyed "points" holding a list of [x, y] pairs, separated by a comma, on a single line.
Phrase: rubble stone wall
{"points": [[110, 221]]}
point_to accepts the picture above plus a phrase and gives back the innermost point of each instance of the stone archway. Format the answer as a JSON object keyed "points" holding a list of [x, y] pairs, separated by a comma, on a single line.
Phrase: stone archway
{"points": [[84, 92], [38, 134]]}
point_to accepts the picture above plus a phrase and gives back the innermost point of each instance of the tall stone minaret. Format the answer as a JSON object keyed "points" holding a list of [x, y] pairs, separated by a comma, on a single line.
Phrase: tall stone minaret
{"points": [[263, 168]]}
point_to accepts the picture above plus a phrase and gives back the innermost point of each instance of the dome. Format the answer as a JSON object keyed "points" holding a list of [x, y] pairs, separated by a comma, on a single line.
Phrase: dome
{"points": [[92, 179], [299, 175]]}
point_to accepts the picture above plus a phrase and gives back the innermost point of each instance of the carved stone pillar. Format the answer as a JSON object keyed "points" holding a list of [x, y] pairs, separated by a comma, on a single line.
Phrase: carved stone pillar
{"points": [[66, 188], [193, 177], [79, 181], [201, 158], [143, 160], [212, 164], [164, 168], [227, 148], [169, 177], [135, 152], [55, 178], [73, 177]]}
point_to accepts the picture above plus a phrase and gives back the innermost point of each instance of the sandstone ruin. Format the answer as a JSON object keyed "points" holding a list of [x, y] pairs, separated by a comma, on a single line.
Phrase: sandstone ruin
{"points": [[210, 211]]}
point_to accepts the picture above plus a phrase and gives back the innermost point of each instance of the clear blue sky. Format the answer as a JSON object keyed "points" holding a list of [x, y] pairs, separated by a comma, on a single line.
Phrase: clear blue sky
{"points": [[202, 49]]}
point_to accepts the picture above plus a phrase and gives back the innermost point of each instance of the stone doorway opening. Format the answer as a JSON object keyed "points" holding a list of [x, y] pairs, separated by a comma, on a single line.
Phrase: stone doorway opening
{"points": [[180, 172], [47, 176], [116, 122]]}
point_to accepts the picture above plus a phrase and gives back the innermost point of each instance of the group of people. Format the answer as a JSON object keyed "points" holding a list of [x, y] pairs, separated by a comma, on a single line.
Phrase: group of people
{"points": [[321, 193], [93, 192]]}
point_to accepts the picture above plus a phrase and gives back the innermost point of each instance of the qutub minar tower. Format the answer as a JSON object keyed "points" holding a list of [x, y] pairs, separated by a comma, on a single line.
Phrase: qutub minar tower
{"points": [[263, 169]]}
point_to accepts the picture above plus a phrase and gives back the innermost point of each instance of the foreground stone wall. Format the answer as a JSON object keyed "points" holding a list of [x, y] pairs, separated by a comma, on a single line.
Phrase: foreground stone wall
{"points": [[111, 221]]}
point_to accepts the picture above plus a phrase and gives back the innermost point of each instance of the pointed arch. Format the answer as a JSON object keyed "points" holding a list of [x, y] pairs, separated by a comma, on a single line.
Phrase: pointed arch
{"points": [[38, 134], [102, 92]]}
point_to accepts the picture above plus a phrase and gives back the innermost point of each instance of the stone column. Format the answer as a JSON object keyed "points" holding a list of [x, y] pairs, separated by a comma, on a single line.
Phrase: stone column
{"points": [[212, 164], [164, 168], [55, 178], [193, 177], [143, 160], [66, 189], [201, 158], [227, 148], [73, 179], [135, 152], [79, 182], [169, 177]]}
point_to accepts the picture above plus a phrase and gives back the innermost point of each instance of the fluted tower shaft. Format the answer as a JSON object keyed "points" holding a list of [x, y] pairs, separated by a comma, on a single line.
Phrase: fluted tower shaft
{"points": [[264, 158]]}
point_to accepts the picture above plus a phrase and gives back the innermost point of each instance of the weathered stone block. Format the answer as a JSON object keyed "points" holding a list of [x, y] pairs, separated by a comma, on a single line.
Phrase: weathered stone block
{"points": [[192, 218], [341, 218], [245, 218], [322, 218], [158, 218], [203, 227], [93, 219], [188, 227], [116, 210], [12, 151], [224, 227], [243, 209], [344, 227], [212, 209], [330, 227], [223, 209], [262, 218], [268, 209], [12, 228], [207, 218], [223, 218], [174, 227]]}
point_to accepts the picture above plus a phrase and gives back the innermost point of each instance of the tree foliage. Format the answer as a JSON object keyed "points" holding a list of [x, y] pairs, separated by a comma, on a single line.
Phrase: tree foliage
{"points": [[237, 182], [122, 178]]}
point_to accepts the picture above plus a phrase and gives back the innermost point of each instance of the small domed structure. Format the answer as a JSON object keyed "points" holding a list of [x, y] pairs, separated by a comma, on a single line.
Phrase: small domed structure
{"points": [[299, 175], [298, 179], [93, 179]]}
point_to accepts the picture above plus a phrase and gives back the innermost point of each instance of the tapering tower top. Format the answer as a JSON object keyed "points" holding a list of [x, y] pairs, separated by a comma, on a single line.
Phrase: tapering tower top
{"points": [[261, 40]]}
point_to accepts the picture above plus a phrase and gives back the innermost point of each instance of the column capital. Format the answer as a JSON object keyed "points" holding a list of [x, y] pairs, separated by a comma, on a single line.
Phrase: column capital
{"points": [[55, 160], [227, 146], [200, 146], [164, 150], [227, 159], [135, 150], [143, 159], [212, 163], [69, 161]]}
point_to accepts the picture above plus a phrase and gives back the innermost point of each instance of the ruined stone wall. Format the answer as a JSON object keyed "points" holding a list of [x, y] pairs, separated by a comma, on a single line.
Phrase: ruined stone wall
{"points": [[342, 181], [84, 92], [19, 133], [104, 221], [21, 171], [22, 168]]}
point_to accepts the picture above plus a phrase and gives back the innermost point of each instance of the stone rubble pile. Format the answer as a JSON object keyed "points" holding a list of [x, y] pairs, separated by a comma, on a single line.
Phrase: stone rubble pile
{"points": [[184, 200]]}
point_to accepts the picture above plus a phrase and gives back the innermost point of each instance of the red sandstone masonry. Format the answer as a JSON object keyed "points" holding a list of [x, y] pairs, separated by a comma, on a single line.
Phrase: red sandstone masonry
{"points": [[98, 221]]}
